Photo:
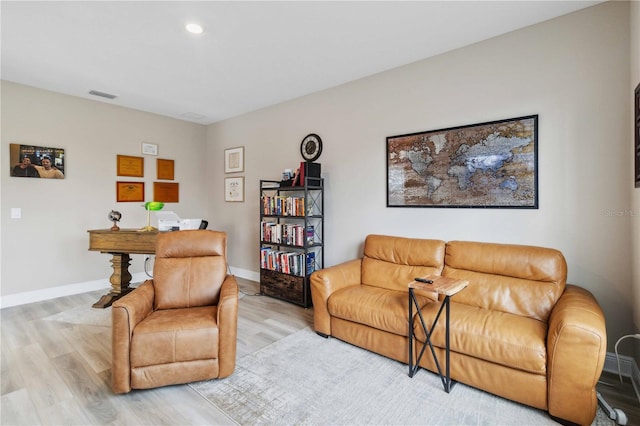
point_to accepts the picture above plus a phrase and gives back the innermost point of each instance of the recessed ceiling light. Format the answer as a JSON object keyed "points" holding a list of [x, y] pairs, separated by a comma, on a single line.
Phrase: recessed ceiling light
{"points": [[194, 28]]}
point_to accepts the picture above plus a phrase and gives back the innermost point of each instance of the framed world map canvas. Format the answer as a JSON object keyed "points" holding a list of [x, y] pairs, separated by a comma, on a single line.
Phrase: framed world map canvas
{"points": [[487, 165]]}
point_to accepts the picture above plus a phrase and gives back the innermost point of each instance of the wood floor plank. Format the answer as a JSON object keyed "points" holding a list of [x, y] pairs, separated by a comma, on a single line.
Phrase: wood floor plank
{"points": [[41, 378], [17, 409]]}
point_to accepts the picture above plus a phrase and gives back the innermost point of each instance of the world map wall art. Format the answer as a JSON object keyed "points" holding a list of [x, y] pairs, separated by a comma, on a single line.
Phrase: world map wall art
{"points": [[487, 165]]}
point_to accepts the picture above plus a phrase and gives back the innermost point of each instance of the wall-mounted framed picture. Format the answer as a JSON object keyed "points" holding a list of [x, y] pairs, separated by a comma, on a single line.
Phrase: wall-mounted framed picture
{"points": [[164, 169], [487, 165], [234, 160], [167, 192], [130, 166], [149, 148], [234, 189], [129, 191], [637, 137], [36, 161]]}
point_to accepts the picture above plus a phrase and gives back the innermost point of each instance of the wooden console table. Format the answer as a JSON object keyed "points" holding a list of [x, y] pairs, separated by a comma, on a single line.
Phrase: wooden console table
{"points": [[120, 244]]}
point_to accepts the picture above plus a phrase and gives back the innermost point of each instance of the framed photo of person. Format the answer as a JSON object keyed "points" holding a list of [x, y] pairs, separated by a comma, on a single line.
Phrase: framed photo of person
{"points": [[36, 161]]}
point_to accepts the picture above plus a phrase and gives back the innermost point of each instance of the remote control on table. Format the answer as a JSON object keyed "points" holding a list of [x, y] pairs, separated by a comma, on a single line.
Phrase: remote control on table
{"points": [[423, 280]]}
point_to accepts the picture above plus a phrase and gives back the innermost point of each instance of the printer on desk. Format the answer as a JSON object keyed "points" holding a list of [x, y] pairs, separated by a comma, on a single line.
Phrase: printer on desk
{"points": [[169, 221]]}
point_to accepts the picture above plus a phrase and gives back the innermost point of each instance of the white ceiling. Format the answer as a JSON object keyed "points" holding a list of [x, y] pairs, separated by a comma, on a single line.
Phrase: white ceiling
{"points": [[251, 55]]}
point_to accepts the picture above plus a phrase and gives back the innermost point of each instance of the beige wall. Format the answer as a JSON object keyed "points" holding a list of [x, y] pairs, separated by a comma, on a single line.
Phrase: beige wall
{"points": [[47, 247], [573, 71]]}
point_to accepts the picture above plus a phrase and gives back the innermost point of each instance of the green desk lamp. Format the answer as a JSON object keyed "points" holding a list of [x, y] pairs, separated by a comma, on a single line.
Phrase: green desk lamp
{"points": [[149, 206]]}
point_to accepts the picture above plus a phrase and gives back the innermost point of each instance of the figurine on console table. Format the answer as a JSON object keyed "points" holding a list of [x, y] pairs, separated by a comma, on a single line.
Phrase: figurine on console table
{"points": [[115, 217]]}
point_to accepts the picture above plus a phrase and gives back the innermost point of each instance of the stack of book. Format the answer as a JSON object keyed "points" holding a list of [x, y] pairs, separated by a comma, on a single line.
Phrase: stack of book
{"points": [[287, 262]]}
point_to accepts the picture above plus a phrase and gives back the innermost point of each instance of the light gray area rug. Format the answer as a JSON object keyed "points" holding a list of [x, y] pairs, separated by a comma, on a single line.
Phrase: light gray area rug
{"points": [[84, 315], [306, 379]]}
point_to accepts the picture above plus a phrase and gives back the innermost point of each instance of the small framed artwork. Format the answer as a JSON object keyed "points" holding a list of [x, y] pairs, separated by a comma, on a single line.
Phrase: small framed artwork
{"points": [[129, 191], [149, 148], [165, 169], [130, 166], [234, 189], [167, 192], [36, 161], [486, 165], [234, 160]]}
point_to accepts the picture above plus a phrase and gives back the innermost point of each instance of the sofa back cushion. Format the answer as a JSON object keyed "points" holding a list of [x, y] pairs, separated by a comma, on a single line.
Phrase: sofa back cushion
{"points": [[189, 269], [392, 262], [521, 280]]}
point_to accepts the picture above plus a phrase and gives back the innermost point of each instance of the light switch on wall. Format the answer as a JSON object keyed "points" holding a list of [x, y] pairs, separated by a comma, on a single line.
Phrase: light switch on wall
{"points": [[16, 213]]}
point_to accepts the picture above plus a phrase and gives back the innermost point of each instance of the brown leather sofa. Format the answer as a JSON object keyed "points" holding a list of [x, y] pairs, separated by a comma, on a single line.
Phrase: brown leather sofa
{"points": [[517, 331], [180, 326]]}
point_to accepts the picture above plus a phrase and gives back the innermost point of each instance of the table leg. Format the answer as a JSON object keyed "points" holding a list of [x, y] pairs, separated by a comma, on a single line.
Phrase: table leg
{"points": [[447, 383], [119, 280], [447, 387]]}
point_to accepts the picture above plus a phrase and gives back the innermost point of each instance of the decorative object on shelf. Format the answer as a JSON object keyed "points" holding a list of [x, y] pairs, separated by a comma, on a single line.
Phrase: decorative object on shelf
{"points": [[311, 147], [115, 217], [234, 189], [36, 161], [487, 165], [234, 160], [129, 191], [164, 169], [130, 166], [150, 206], [149, 148], [169, 192]]}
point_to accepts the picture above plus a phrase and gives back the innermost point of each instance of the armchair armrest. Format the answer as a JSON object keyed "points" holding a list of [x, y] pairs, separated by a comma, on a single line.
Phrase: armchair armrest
{"points": [[126, 313], [576, 349], [227, 326], [326, 281]]}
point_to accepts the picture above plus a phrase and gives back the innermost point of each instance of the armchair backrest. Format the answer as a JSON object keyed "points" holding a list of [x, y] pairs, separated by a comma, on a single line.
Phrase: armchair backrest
{"points": [[189, 269]]}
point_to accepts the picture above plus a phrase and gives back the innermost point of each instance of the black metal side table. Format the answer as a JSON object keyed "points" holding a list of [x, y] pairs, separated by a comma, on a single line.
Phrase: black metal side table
{"points": [[439, 285]]}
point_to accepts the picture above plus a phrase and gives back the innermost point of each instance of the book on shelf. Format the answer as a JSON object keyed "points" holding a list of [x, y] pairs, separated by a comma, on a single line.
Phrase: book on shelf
{"points": [[282, 261], [311, 263], [310, 234]]}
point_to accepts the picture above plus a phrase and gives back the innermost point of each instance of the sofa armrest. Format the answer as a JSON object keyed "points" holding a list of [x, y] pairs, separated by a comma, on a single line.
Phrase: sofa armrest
{"points": [[227, 326], [126, 313], [326, 281], [576, 350]]}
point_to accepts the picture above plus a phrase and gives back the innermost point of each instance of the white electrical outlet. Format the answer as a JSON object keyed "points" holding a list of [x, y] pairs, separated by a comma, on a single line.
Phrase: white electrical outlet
{"points": [[16, 213]]}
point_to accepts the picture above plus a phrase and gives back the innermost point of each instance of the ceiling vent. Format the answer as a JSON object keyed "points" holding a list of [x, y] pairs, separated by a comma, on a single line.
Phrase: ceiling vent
{"points": [[102, 94], [193, 116]]}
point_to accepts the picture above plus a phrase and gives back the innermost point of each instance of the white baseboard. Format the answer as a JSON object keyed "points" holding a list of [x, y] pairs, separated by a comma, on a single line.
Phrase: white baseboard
{"points": [[103, 284], [628, 368], [244, 273]]}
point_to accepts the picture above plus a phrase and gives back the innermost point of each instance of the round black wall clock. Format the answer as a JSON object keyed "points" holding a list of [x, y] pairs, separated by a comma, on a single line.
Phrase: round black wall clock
{"points": [[311, 147]]}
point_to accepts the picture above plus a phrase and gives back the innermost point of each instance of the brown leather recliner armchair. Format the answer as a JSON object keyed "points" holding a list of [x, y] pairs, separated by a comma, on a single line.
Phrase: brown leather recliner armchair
{"points": [[180, 326]]}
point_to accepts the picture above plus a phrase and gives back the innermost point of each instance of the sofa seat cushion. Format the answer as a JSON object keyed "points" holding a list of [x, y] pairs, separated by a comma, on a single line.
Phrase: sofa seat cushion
{"points": [[375, 307], [175, 335], [502, 338]]}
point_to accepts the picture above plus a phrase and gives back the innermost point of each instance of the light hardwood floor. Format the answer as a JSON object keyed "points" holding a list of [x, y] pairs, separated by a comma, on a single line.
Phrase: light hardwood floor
{"points": [[57, 373]]}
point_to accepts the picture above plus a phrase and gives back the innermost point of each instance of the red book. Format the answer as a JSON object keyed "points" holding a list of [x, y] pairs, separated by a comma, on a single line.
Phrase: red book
{"points": [[301, 174]]}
